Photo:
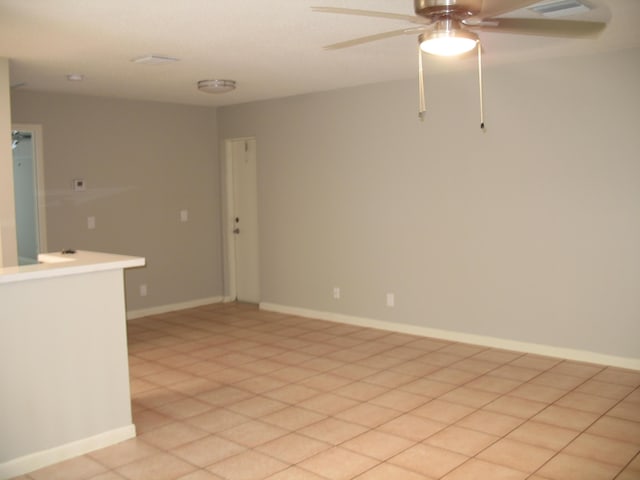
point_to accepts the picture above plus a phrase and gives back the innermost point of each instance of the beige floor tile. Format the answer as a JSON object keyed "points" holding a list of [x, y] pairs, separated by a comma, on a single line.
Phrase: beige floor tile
{"points": [[294, 473], [377, 444], [147, 420], [616, 428], [470, 397], [338, 464], [516, 407], [217, 420], [566, 417], [490, 422], [489, 383], [515, 373], [327, 403], [225, 395], [292, 394], [569, 467], [207, 450], [387, 471], [516, 455], [162, 466], [110, 475], [586, 402], [626, 410], [428, 460], [428, 388], [558, 380], [249, 465], [462, 440], [538, 393], [293, 448], [333, 431], [604, 389], [390, 378], [256, 406], [326, 382], [368, 415], [543, 435], [184, 408], [452, 375], [200, 475], [361, 391], [619, 376], [475, 365], [536, 362], [292, 418], [172, 435], [79, 468], [601, 449], [399, 400], [123, 453], [576, 369], [412, 427], [443, 411], [253, 433], [480, 470]]}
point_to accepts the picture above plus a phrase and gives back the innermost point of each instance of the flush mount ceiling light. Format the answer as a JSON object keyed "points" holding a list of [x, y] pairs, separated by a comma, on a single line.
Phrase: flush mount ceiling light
{"points": [[447, 39], [216, 86]]}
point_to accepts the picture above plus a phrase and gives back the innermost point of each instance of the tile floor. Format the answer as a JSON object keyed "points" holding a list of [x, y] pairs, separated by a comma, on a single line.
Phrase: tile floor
{"points": [[227, 392]]}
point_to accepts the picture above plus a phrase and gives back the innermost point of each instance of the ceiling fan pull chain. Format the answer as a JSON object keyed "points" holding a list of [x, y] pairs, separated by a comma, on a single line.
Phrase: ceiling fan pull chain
{"points": [[479, 47], [421, 106]]}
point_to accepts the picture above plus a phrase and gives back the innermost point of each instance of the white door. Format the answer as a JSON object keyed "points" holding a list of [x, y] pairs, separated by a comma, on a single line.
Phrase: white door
{"points": [[244, 219]]}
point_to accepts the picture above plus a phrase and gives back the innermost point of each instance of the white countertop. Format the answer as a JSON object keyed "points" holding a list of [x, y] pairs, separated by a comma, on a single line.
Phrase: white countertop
{"points": [[59, 264]]}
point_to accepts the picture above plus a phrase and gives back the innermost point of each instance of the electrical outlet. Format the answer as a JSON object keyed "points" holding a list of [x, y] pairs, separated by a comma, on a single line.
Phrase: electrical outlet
{"points": [[391, 300], [336, 293], [184, 215], [143, 290], [91, 223]]}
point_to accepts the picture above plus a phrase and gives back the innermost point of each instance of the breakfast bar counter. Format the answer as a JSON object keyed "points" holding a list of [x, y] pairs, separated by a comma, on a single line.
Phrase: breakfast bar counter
{"points": [[63, 359]]}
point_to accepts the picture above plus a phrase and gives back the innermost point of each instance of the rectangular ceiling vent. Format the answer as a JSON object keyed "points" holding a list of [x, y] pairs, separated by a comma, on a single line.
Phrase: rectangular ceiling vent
{"points": [[561, 8], [154, 60]]}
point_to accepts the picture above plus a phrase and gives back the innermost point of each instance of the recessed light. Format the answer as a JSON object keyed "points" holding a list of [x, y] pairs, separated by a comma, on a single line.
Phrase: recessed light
{"points": [[154, 60], [75, 77]]}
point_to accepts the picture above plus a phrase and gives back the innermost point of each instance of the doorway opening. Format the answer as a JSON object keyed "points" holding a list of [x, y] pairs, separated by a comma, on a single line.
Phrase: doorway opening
{"points": [[29, 193], [241, 221]]}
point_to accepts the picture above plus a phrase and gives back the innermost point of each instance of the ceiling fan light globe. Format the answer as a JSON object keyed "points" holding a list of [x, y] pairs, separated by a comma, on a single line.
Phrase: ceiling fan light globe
{"points": [[448, 43]]}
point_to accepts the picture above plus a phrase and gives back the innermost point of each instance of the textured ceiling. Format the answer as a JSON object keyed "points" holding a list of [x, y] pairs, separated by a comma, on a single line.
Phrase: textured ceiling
{"points": [[271, 48]]}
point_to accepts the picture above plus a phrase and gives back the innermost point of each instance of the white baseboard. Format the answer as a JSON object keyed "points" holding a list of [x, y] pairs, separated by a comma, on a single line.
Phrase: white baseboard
{"points": [[493, 342], [145, 312], [37, 460]]}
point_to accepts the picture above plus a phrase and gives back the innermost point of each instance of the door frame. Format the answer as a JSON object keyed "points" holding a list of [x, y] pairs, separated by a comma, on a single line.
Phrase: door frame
{"points": [[38, 158], [229, 257]]}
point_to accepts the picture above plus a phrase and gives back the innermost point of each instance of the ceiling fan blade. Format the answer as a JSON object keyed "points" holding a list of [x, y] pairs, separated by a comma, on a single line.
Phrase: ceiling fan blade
{"points": [[494, 8], [534, 26], [372, 38], [369, 13]]}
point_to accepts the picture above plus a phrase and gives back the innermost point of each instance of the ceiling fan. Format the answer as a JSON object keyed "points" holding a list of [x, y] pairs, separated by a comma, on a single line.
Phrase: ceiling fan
{"points": [[448, 27]]}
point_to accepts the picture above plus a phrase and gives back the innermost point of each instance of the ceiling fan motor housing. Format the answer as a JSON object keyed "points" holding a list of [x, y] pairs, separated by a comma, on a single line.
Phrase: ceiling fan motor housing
{"points": [[459, 9]]}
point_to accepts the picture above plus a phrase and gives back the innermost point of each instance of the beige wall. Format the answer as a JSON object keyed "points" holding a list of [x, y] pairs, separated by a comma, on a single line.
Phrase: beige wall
{"points": [[142, 163], [528, 232], [8, 245]]}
